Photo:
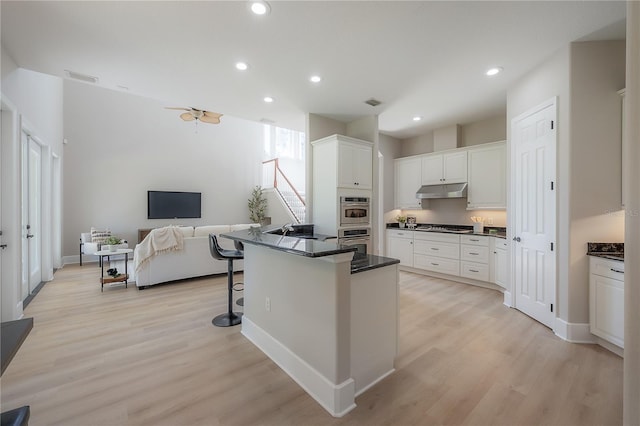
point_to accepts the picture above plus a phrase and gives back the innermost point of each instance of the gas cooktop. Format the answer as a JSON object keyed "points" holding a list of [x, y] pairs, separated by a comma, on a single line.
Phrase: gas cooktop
{"points": [[443, 229]]}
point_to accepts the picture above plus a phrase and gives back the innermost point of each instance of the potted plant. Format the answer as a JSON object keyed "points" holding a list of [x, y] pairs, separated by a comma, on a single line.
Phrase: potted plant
{"points": [[111, 243], [401, 221], [257, 206]]}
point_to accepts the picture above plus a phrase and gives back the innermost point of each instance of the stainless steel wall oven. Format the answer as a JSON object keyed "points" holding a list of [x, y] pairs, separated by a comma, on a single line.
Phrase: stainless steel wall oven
{"points": [[355, 211]]}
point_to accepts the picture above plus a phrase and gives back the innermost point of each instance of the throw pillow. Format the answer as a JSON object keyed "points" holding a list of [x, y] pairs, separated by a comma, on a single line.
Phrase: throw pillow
{"points": [[98, 236]]}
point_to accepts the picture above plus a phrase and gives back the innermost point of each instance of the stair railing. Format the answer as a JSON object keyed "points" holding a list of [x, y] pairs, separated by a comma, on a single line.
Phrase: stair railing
{"points": [[275, 177]]}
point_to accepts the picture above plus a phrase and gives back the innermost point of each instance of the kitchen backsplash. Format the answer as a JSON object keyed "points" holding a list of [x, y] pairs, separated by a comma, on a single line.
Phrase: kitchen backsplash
{"points": [[451, 211]]}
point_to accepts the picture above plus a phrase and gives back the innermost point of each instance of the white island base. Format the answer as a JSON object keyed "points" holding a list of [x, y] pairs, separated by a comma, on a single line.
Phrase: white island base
{"points": [[333, 332]]}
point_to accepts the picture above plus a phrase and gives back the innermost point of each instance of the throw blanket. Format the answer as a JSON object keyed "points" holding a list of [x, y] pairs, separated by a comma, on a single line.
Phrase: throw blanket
{"points": [[158, 241]]}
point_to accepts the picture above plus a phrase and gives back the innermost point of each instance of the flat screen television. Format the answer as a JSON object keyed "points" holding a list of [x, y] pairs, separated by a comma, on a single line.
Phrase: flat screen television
{"points": [[173, 205]]}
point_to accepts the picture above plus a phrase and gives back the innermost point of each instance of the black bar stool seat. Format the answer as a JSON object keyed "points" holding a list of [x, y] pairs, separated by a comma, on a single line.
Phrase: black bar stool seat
{"points": [[229, 318]]}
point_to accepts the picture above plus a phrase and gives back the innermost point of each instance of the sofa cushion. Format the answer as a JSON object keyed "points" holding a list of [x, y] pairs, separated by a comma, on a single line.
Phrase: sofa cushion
{"points": [[98, 236], [204, 231], [187, 231]]}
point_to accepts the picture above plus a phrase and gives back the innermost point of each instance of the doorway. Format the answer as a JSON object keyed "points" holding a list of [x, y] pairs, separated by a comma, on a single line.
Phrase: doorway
{"points": [[533, 177], [31, 214]]}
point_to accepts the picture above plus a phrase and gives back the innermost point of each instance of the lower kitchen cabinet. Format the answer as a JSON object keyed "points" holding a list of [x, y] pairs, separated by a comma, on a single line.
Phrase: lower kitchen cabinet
{"points": [[400, 246], [478, 257], [606, 299], [499, 270]]}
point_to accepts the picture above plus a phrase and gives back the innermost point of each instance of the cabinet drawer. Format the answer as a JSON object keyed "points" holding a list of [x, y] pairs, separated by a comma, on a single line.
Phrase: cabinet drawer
{"points": [[607, 268], [473, 270], [397, 233], [438, 249], [501, 243], [474, 253], [437, 236], [437, 264], [475, 240]]}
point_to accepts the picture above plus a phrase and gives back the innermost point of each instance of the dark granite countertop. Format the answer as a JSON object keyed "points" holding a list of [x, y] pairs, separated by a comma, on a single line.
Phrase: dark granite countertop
{"points": [[489, 231], [367, 262], [301, 246], [612, 251]]}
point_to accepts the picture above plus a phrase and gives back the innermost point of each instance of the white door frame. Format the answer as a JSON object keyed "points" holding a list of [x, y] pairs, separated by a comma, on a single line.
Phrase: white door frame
{"points": [[511, 205]]}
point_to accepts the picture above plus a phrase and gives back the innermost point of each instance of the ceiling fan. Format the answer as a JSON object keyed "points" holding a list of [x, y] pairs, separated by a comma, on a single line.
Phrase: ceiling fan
{"points": [[198, 115]]}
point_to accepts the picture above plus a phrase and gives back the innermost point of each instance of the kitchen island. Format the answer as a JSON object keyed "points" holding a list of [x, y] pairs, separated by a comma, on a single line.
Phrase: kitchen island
{"points": [[327, 320]]}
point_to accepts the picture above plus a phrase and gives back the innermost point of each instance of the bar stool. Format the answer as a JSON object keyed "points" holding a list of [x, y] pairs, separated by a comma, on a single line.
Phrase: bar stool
{"points": [[229, 318], [239, 286]]}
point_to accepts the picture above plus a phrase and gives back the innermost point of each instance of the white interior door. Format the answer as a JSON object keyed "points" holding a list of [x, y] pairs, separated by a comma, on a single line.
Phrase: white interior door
{"points": [[533, 188], [31, 214]]}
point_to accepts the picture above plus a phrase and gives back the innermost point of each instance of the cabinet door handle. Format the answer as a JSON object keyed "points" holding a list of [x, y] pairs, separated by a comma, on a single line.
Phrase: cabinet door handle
{"points": [[474, 254], [617, 270], [471, 239], [473, 270], [433, 248], [435, 264]]}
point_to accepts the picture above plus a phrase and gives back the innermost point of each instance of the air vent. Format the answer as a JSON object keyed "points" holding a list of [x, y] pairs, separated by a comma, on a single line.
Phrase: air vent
{"points": [[82, 77], [267, 121], [373, 102]]}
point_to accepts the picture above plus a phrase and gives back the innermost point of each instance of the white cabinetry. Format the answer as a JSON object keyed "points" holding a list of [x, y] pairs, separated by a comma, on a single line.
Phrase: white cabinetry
{"points": [[474, 257], [450, 167], [408, 173], [354, 164], [606, 299], [339, 163], [487, 176], [498, 266], [400, 246], [437, 252]]}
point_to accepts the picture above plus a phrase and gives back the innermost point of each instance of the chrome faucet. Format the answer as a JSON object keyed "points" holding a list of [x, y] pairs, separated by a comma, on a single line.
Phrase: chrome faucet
{"points": [[287, 228]]}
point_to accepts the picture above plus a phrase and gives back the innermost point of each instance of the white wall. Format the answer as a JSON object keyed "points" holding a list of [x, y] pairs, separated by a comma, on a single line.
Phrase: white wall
{"points": [[585, 78], [36, 103], [121, 145], [490, 130]]}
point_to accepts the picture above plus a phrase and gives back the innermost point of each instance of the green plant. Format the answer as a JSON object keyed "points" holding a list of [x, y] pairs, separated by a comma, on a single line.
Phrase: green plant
{"points": [[257, 205], [112, 241], [401, 219]]}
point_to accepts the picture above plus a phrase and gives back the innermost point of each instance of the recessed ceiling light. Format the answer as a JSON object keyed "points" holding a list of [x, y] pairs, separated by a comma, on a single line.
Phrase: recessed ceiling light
{"points": [[417, 118], [260, 7], [493, 71], [268, 99], [315, 79], [242, 66]]}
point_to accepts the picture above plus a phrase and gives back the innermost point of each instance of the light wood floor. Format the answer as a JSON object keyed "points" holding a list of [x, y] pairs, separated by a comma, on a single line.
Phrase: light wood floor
{"points": [[152, 357]]}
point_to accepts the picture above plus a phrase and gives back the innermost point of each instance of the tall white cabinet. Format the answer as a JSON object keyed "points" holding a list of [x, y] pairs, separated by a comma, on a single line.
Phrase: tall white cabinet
{"points": [[341, 166]]}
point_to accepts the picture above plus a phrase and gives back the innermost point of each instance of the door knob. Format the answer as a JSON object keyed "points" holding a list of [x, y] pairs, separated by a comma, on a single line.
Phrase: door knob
{"points": [[3, 246], [516, 239], [30, 235]]}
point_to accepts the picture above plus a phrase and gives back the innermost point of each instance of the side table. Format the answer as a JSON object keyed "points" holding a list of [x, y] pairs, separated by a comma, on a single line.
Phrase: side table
{"points": [[118, 278]]}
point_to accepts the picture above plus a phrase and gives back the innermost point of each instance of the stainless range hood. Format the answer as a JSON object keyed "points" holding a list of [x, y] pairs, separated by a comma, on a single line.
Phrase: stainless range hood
{"points": [[449, 190]]}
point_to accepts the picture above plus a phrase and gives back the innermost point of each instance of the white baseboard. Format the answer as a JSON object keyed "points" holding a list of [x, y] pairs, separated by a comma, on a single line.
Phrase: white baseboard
{"points": [[573, 332], [507, 299], [375, 382], [337, 399]]}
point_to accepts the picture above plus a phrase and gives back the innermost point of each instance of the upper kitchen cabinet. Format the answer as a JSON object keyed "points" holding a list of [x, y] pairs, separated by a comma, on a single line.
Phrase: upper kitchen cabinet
{"points": [[408, 173], [443, 168], [354, 163], [347, 160], [487, 176]]}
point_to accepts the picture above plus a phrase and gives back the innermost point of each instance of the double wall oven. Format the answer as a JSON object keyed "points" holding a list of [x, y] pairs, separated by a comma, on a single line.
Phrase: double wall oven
{"points": [[355, 223]]}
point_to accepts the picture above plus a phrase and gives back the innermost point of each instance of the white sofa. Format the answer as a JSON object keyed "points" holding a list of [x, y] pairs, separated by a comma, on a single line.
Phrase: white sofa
{"points": [[193, 261]]}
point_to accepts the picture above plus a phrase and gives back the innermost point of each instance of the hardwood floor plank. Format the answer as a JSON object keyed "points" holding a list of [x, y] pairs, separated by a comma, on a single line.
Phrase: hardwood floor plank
{"points": [[152, 357]]}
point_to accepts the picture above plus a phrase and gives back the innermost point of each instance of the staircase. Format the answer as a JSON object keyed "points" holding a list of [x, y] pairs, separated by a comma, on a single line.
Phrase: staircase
{"points": [[273, 177]]}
